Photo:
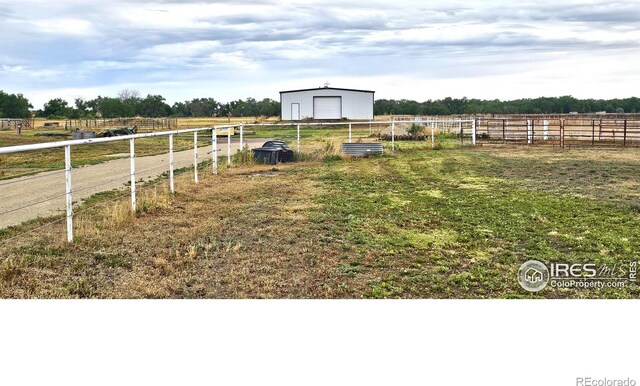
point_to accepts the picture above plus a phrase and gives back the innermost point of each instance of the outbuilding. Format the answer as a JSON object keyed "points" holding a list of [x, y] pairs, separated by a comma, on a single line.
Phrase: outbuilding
{"points": [[326, 103]]}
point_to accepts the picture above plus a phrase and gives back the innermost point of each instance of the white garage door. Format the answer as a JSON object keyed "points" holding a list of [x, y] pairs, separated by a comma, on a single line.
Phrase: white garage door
{"points": [[327, 107]]}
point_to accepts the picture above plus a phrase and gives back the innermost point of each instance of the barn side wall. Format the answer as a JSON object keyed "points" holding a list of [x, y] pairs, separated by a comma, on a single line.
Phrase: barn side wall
{"points": [[355, 104]]}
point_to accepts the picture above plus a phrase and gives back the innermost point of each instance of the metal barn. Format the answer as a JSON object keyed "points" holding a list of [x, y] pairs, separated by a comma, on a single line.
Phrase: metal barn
{"points": [[326, 103]]}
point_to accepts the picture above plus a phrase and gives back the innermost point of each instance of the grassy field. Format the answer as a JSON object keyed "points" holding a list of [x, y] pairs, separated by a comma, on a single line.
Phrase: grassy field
{"points": [[200, 122], [420, 223]]}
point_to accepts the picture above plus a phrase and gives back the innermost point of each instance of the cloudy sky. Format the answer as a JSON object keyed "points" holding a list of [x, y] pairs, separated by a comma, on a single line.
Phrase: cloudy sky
{"points": [[401, 48]]}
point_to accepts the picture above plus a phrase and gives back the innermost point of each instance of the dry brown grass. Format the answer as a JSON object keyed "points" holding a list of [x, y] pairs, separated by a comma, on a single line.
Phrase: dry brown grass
{"points": [[245, 233], [184, 123]]}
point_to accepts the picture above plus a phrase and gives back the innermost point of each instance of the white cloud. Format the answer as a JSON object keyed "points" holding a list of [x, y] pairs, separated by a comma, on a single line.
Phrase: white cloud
{"points": [[236, 59], [182, 49], [401, 49], [63, 26]]}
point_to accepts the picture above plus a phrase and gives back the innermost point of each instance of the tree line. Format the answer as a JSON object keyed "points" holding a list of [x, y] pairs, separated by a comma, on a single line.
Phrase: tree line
{"points": [[544, 105], [130, 103]]}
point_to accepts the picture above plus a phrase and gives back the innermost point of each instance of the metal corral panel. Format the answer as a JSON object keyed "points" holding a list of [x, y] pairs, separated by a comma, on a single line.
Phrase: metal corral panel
{"points": [[321, 103], [361, 149]]}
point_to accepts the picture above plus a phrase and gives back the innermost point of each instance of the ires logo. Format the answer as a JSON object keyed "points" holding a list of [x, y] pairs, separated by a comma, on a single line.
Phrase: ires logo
{"points": [[562, 270], [534, 275]]}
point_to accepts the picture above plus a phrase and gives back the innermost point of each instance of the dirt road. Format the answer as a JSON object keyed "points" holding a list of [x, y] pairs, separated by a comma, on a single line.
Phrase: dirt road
{"points": [[43, 194]]}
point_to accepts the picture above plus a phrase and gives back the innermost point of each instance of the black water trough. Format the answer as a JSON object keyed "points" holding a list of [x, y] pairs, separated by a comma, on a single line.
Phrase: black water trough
{"points": [[272, 153]]}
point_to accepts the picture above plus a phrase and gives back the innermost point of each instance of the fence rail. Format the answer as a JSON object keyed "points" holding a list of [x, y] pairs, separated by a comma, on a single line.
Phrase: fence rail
{"points": [[14, 124], [559, 132], [143, 124]]}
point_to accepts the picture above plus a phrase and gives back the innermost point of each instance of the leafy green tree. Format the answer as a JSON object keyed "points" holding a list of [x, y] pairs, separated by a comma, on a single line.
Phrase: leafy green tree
{"points": [[153, 106], [14, 106], [81, 107], [180, 109], [57, 107], [114, 108], [203, 107], [267, 107]]}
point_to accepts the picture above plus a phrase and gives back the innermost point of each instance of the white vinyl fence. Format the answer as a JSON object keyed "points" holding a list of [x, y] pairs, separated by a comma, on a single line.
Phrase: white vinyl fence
{"points": [[457, 125]]}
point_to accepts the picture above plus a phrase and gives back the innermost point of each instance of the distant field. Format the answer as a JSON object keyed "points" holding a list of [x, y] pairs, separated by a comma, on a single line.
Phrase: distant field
{"points": [[451, 223], [182, 122], [203, 122]]}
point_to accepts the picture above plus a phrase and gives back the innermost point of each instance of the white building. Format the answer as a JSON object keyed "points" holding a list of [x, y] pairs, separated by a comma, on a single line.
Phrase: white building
{"points": [[326, 103]]}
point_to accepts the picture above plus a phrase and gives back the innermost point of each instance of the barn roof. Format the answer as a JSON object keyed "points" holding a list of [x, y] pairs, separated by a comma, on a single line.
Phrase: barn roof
{"points": [[326, 88]]}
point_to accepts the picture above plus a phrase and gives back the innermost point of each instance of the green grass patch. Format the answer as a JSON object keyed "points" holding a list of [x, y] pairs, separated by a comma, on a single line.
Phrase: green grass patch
{"points": [[471, 221]]}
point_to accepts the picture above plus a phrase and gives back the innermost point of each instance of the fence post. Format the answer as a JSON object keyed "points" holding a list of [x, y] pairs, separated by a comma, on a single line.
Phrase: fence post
{"points": [[593, 132], [195, 156], [228, 145], [504, 131], [133, 173], [433, 139], [562, 133], [533, 130], [624, 139], [67, 167], [528, 131], [214, 150], [393, 135], [473, 132], [545, 130], [349, 132], [171, 185], [600, 130], [298, 134], [241, 135]]}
